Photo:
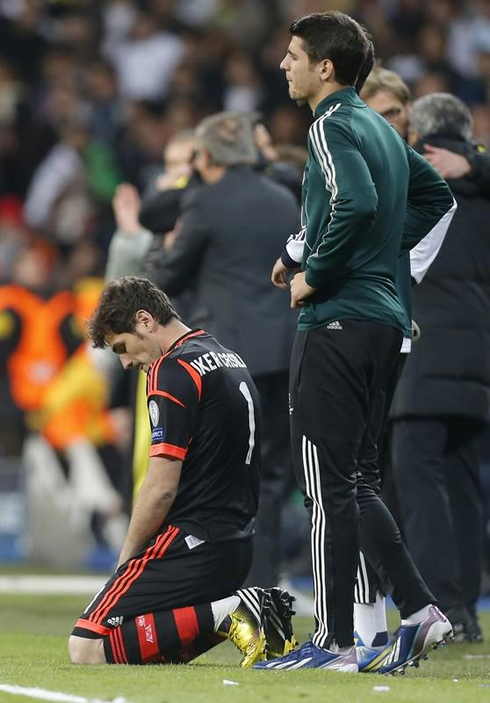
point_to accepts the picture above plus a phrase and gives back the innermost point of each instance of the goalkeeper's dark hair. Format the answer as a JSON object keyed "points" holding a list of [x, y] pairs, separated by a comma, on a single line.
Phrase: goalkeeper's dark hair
{"points": [[120, 301]]}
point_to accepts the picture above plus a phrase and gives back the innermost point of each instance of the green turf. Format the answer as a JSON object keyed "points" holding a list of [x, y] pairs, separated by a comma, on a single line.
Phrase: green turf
{"points": [[33, 633]]}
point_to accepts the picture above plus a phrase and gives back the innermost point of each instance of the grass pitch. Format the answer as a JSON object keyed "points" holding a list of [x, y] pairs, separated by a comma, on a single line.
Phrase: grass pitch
{"points": [[34, 629]]}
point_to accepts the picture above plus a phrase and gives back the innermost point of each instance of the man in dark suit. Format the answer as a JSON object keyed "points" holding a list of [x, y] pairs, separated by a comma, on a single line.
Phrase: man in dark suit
{"points": [[442, 405], [231, 228]]}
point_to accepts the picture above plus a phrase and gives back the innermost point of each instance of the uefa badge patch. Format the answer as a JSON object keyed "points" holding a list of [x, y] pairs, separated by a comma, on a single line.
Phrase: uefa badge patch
{"points": [[157, 434], [154, 413]]}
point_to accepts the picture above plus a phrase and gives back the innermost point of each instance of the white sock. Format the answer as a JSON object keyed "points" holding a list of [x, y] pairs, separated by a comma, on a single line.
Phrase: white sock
{"points": [[417, 617], [222, 608], [370, 622]]}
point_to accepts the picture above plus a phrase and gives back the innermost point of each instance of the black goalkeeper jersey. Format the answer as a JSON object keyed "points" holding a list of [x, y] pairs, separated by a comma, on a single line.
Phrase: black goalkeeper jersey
{"points": [[204, 409]]}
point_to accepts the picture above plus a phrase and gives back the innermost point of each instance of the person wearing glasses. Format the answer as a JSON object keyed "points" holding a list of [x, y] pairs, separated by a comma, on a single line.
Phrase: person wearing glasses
{"points": [[387, 93]]}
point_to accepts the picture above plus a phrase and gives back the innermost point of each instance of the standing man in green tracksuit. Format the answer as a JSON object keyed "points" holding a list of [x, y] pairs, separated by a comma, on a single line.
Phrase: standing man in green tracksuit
{"points": [[366, 196]]}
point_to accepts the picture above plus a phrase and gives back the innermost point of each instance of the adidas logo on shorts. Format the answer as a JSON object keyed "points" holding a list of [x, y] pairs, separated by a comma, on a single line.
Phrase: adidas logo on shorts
{"points": [[115, 622], [334, 325]]}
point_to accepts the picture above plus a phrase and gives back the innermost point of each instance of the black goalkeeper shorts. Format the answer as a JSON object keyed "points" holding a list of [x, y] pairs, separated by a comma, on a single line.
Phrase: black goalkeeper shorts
{"points": [[175, 571]]}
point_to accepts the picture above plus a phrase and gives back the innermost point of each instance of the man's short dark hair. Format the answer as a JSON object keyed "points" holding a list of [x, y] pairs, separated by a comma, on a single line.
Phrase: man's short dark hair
{"points": [[120, 301], [337, 37]]}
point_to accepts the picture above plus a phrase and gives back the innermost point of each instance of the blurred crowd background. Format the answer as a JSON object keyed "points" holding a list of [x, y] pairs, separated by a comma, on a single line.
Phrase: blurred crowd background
{"points": [[92, 95]]}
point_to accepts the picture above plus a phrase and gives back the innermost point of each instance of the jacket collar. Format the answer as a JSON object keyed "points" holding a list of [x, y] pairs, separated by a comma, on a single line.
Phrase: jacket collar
{"points": [[347, 96]]}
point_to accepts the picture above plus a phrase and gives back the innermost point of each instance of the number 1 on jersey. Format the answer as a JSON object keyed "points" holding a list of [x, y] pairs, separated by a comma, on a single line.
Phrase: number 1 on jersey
{"points": [[245, 391]]}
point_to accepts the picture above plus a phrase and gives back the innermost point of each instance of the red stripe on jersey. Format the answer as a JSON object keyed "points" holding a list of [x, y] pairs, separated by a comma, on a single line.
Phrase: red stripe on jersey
{"points": [[149, 376], [163, 449], [147, 638], [93, 627], [134, 569], [194, 375], [170, 397], [187, 624], [153, 370], [152, 386]]}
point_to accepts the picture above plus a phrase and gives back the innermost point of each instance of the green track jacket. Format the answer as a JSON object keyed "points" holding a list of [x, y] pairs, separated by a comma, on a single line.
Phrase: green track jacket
{"points": [[366, 196]]}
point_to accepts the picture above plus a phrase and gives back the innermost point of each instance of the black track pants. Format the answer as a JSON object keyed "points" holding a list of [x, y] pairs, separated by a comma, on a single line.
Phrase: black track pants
{"points": [[335, 378]]}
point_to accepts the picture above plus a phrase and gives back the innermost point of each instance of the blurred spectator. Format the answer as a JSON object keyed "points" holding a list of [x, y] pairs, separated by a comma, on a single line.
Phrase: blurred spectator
{"points": [[177, 169], [160, 209], [432, 51], [146, 59], [245, 23], [388, 94], [76, 28], [271, 56], [196, 13], [287, 125], [105, 109], [75, 422], [21, 39], [481, 125], [13, 234], [284, 163], [186, 84], [118, 17], [243, 86], [141, 147], [54, 399], [12, 101], [264, 142], [183, 113], [469, 34], [30, 358], [428, 55], [429, 83], [407, 19], [11, 93], [58, 200], [59, 181]]}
